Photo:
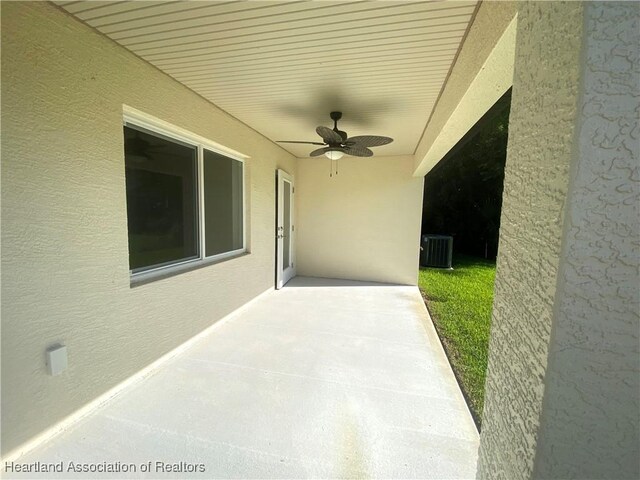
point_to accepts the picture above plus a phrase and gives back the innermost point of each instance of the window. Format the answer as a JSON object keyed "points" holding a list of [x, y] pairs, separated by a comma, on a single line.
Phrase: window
{"points": [[185, 200]]}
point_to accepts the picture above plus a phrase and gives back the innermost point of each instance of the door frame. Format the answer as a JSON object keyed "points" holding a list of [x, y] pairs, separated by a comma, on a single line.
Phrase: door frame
{"points": [[283, 275]]}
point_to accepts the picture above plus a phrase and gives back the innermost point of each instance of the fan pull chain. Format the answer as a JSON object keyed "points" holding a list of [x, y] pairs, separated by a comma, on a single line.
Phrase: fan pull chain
{"points": [[331, 167]]}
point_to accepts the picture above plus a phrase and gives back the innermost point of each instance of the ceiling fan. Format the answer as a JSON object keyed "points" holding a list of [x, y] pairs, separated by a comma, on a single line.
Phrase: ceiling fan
{"points": [[336, 142]]}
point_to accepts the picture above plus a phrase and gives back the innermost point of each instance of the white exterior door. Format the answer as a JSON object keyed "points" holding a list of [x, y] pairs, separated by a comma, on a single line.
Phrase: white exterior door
{"points": [[285, 230]]}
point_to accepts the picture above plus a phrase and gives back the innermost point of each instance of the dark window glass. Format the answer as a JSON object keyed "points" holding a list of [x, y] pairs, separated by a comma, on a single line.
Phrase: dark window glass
{"points": [[161, 199], [222, 203]]}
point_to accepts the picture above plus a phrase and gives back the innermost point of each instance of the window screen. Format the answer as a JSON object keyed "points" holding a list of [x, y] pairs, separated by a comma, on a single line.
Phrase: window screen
{"points": [[223, 204]]}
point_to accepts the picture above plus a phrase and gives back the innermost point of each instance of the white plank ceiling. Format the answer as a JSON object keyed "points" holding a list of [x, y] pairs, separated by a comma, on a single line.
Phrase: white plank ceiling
{"points": [[282, 66]]}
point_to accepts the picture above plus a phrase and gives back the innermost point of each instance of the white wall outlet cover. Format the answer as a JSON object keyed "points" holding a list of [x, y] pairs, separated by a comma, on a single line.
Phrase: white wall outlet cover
{"points": [[56, 359]]}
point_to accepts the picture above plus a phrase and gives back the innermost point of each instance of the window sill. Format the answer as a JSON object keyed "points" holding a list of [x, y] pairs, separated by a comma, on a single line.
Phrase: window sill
{"points": [[155, 275]]}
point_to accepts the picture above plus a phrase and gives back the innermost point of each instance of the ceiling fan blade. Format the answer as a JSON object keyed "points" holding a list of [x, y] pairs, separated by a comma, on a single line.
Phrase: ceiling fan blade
{"points": [[358, 151], [294, 141], [328, 135], [368, 141], [318, 152]]}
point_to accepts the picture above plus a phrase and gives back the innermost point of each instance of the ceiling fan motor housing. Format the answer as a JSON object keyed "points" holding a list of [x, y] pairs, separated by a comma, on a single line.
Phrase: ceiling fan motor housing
{"points": [[335, 116]]}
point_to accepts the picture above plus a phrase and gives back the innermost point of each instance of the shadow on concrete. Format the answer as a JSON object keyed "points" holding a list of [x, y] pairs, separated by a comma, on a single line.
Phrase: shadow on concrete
{"points": [[304, 282]]}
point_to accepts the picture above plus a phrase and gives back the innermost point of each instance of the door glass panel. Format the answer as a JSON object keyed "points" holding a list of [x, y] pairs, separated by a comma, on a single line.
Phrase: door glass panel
{"points": [[286, 210]]}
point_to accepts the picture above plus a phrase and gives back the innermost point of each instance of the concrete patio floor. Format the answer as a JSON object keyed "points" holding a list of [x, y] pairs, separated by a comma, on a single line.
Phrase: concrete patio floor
{"points": [[322, 379]]}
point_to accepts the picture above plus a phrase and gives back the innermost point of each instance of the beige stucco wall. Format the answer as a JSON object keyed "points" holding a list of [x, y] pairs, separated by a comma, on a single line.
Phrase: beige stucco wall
{"points": [[590, 424], [481, 74], [562, 387], [363, 223], [65, 274]]}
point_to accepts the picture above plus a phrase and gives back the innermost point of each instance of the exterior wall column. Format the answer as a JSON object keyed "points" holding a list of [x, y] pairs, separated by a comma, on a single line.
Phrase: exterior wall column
{"points": [[562, 391]]}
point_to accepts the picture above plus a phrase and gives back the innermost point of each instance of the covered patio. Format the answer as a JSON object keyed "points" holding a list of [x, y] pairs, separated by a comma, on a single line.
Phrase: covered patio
{"points": [[155, 193], [322, 379]]}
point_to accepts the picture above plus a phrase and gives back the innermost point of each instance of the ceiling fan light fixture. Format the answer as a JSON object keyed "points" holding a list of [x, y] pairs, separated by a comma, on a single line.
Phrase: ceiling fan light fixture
{"points": [[334, 154]]}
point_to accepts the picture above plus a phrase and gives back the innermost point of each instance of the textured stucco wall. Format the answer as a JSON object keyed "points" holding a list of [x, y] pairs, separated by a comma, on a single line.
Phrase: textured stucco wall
{"points": [[363, 223], [590, 422], [562, 387], [482, 73], [541, 131], [65, 274]]}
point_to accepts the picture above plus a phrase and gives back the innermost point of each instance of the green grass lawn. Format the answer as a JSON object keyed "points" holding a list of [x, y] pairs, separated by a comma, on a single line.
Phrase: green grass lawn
{"points": [[460, 304]]}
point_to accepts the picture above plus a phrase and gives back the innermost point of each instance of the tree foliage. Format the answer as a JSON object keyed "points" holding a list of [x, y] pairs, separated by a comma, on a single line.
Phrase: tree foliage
{"points": [[463, 193]]}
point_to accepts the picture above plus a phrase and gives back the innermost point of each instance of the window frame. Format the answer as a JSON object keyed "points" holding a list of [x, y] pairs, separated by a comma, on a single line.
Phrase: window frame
{"points": [[135, 119]]}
